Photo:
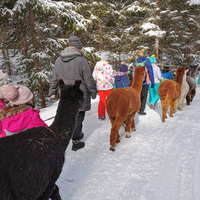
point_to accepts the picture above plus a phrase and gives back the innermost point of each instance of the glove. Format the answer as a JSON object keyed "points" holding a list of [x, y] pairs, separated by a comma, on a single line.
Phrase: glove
{"points": [[152, 86]]}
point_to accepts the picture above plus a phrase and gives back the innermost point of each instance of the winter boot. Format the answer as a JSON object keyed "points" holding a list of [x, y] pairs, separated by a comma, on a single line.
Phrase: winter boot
{"points": [[76, 145]]}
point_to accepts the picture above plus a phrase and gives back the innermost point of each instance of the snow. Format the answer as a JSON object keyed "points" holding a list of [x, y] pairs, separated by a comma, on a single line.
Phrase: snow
{"points": [[161, 160]]}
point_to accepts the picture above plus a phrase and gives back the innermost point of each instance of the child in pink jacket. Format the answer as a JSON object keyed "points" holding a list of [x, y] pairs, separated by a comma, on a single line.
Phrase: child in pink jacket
{"points": [[4, 79], [21, 114]]}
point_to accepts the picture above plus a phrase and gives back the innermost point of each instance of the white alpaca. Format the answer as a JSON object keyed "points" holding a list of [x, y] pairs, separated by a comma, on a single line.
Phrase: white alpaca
{"points": [[184, 91]]}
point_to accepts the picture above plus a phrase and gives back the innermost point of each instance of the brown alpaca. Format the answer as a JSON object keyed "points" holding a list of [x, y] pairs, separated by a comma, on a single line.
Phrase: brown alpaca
{"points": [[169, 91], [122, 104]]}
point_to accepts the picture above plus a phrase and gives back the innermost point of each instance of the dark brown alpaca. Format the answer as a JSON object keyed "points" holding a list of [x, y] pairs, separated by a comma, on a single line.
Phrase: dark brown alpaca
{"points": [[192, 84], [122, 104], [169, 91]]}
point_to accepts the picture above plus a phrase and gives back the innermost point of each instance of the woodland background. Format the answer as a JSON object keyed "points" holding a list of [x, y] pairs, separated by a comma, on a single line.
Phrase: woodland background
{"points": [[33, 32]]}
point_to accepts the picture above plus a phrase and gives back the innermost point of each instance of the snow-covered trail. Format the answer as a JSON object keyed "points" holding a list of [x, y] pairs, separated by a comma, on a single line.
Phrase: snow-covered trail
{"points": [[161, 160]]}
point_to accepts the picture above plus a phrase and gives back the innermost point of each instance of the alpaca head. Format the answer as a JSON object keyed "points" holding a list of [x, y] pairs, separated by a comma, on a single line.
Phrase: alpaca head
{"points": [[194, 69], [71, 91], [180, 70]]}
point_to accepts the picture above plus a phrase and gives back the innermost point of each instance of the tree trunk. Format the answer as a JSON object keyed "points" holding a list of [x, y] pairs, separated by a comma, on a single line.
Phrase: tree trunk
{"points": [[157, 39], [100, 30], [25, 47], [8, 63], [156, 48], [32, 24], [41, 94]]}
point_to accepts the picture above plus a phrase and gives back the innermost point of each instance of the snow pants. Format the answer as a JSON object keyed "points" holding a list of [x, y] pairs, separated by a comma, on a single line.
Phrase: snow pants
{"points": [[102, 108], [143, 96], [79, 125], [153, 94]]}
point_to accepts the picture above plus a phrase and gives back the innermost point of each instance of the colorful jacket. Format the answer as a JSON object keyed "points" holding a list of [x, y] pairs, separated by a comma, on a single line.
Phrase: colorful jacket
{"points": [[104, 75], [121, 81], [19, 118], [167, 74], [150, 76]]}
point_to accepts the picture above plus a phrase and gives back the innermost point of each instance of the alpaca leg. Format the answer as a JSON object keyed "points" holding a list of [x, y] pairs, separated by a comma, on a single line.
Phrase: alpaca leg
{"points": [[180, 103], [130, 125], [112, 120], [165, 105], [114, 135], [173, 108], [188, 99], [193, 92], [118, 138]]}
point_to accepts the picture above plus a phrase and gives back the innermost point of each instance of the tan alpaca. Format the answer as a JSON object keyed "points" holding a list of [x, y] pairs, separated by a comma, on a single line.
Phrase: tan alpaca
{"points": [[169, 91], [184, 91], [122, 104]]}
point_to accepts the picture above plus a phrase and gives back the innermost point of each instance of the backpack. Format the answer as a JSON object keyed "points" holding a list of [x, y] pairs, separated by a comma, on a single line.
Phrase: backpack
{"points": [[138, 64]]}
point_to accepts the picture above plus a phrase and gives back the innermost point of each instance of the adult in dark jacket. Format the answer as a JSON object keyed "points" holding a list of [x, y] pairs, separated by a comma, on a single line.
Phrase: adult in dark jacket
{"points": [[149, 77], [122, 79], [71, 66]]}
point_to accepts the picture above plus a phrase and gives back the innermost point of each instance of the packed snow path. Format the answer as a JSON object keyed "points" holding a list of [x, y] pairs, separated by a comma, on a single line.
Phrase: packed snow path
{"points": [[161, 160]]}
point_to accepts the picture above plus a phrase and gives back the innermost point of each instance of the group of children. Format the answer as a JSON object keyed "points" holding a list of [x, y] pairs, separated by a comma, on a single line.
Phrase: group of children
{"points": [[104, 76], [20, 113]]}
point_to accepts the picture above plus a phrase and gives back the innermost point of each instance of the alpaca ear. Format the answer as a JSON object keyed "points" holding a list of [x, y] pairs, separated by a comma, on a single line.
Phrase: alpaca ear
{"points": [[78, 83], [60, 82]]}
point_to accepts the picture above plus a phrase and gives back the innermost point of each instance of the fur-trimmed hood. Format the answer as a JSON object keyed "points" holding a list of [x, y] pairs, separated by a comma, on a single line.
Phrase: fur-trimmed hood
{"points": [[16, 119], [11, 111]]}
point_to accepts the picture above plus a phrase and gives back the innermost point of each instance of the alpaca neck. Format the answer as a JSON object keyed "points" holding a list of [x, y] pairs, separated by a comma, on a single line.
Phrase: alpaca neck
{"points": [[137, 83], [179, 78], [65, 120]]}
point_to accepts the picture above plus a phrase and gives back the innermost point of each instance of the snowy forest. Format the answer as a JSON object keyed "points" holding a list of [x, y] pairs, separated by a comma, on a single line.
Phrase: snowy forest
{"points": [[33, 32]]}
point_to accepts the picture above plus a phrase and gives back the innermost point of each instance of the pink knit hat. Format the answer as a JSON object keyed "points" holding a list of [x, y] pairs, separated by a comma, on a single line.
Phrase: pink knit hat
{"points": [[16, 94]]}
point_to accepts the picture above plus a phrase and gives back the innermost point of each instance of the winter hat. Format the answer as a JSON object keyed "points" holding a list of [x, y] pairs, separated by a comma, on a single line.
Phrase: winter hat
{"points": [[166, 66], [16, 94], [4, 79], [74, 41], [104, 56], [123, 68], [152, 59]]}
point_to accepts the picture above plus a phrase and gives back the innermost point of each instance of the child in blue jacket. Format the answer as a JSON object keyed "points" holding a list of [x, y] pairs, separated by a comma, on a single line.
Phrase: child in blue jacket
{"points": [[122, 79], [166, 73]]}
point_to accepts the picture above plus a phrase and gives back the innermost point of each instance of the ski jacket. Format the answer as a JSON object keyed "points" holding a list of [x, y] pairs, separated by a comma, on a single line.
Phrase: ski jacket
{"points": [[121, 81], [167, 74], [150, 76], [71, 66], [19, 118], [104, 75], [157, 73]]}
